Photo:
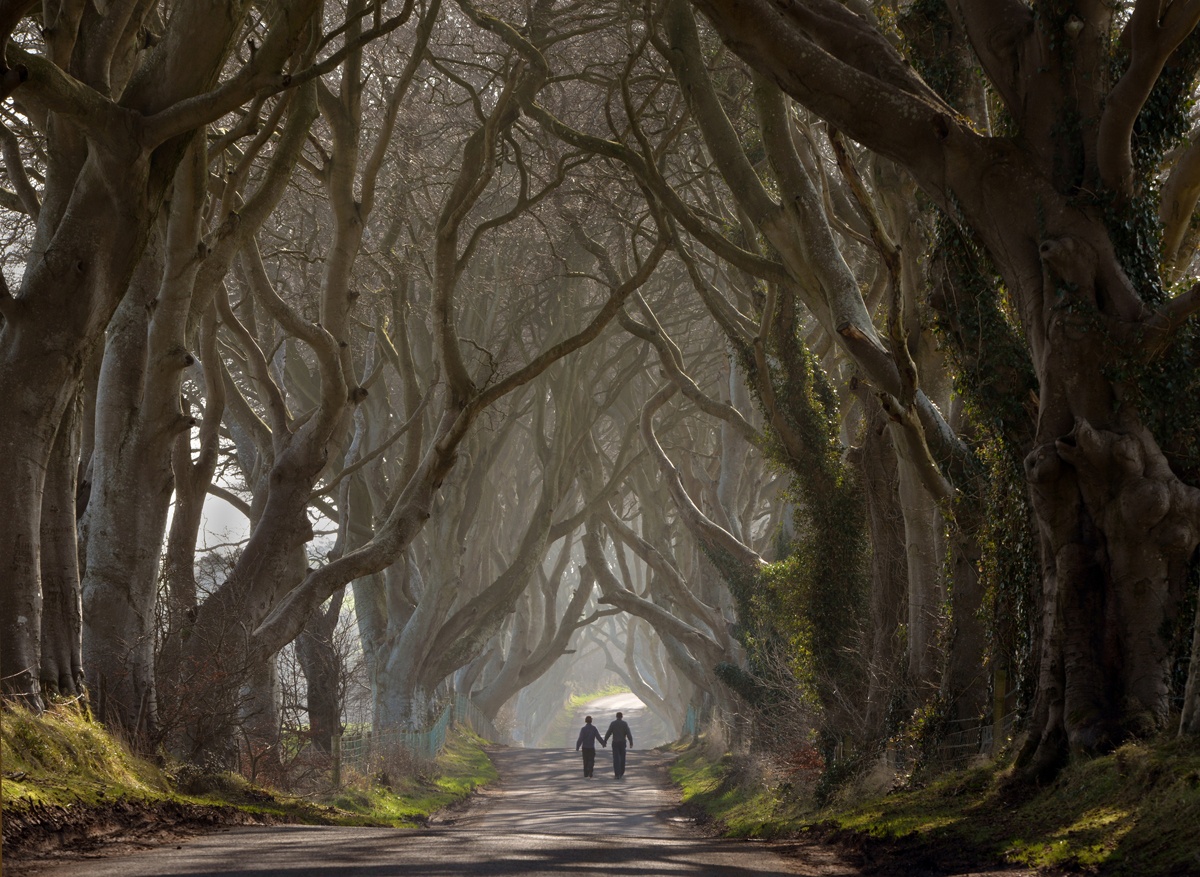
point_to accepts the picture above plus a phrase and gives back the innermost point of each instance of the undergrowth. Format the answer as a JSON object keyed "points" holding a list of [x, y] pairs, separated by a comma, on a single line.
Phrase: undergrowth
{"points": [[63, 759], [1134, 812], [411, 798]]}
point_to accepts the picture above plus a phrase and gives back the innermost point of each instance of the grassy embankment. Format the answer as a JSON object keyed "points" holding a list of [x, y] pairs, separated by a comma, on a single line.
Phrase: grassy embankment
{"points": [[61, 763], [1135, 812]]}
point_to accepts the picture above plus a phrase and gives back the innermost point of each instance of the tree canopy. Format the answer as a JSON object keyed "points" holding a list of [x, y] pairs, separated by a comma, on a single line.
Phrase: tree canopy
{"points": [[821, 365]]}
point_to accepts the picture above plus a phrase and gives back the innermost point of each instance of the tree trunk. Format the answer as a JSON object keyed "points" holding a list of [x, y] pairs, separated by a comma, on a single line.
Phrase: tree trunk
{"points": [[84, 253], [1116, 537], [316, 650], [1189, 721], [925, 590], [36, 394], [126, 519], [217, 656], [965, 676], [889, 573], [179, 563], [62, 610], [260, 719], [506, 683]]}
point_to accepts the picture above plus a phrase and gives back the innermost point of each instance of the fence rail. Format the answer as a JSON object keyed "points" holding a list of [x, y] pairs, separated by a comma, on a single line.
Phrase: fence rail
{"points": [[971, 738]]}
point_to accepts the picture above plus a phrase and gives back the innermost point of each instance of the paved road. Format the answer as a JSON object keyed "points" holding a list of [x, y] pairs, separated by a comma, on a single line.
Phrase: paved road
{"points": [[543, 818]]}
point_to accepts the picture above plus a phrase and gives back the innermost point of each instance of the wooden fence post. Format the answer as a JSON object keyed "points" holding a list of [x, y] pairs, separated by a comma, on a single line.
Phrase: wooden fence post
{"points": [[336, 750], [999, 695]]}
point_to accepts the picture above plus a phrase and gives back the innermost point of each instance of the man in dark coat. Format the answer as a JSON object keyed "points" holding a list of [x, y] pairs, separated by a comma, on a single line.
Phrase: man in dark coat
{"points": [[619, 732], [589, 736]]}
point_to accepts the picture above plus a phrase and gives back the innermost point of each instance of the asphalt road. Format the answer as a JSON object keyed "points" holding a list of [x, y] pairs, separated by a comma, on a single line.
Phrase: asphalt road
{"points": [[542, 818]]}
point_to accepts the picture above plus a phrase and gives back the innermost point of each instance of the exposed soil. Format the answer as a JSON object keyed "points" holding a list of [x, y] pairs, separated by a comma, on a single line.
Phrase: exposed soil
{"points": [[45, 833], [905, 857]]}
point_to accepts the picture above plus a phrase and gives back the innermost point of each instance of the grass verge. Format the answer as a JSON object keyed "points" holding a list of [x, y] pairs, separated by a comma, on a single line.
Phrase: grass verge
{"points": [[461, 768], [1134, 812], [65, 779], [736, 797]]}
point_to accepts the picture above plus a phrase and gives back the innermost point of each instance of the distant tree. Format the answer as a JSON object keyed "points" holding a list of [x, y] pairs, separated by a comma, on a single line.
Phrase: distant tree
{"points": [[491, 185]]}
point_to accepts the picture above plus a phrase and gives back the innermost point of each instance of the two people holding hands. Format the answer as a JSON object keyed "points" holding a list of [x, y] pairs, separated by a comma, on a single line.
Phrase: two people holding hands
{"points": [[589, 735]]}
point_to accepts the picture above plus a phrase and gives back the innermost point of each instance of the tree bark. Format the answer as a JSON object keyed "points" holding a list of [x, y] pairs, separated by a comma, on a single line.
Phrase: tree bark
{"points": [[316, 650], [1189, 719], [926, 590], [127, 514], [876, 462], [62, 610], [45, 341]]}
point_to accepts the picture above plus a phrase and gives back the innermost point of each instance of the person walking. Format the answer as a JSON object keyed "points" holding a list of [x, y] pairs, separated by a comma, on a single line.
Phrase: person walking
{"points": [[619, 732], [589, 736]]}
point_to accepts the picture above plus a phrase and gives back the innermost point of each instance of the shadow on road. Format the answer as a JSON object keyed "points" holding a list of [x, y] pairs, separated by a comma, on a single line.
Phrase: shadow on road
{"points": [[543, 791], [297, 852]]}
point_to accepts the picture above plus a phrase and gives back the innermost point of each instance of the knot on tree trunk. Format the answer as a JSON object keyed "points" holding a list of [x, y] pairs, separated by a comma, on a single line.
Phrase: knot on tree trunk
{"points": [[1070, 261], [1118, 528], [1132, 494]]}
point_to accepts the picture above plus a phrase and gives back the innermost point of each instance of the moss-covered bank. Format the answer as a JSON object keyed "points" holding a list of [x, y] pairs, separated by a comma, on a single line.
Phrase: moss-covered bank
{"points": [[66, 779], [1135, 812]]}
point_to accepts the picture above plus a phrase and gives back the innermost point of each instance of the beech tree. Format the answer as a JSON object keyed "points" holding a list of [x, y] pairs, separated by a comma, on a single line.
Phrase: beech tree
{"points": [[468, 210], [1062, 200], [170, 310], [116, 93]]}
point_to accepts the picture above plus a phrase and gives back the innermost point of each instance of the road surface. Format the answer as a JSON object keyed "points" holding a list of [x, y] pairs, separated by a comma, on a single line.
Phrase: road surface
{"points": [[542, 818]]}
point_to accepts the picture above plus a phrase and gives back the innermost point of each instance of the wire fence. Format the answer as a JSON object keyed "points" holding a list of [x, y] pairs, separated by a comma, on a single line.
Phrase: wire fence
{"points": [[359, 751], [466, 713], [957, 744], [967, 739], [691, 721]]}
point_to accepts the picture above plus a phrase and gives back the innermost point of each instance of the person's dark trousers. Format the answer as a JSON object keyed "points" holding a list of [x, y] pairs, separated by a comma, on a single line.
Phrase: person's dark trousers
{"points": [[618, 761], [589, 761]]}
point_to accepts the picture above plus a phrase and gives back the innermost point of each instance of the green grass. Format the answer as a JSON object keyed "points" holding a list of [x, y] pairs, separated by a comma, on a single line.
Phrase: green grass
{"points": [[579, 700], [461, 768], [62, 758], [734, 797], [1135, 812]]}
